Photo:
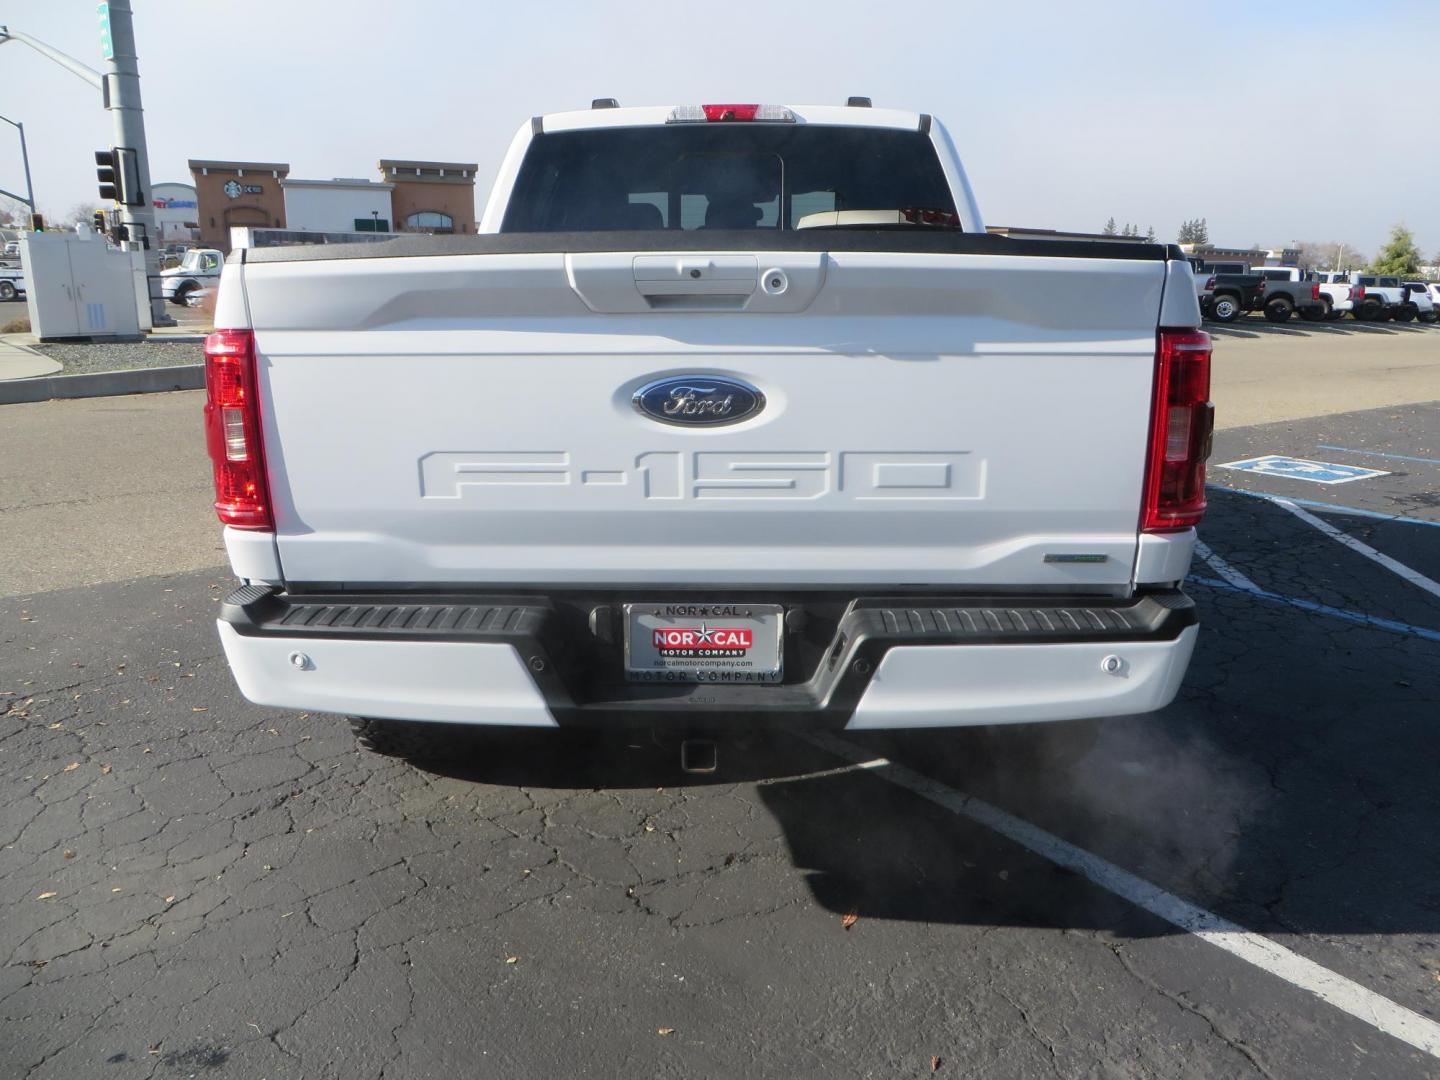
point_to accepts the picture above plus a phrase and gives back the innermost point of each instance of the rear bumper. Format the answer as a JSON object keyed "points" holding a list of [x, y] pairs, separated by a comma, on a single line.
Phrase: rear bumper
{"points": [[850, 662]]}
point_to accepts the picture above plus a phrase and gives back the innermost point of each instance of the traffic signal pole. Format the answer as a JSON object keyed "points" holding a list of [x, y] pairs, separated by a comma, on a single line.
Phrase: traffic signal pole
{"points": [[120, 90], [122, 99]]}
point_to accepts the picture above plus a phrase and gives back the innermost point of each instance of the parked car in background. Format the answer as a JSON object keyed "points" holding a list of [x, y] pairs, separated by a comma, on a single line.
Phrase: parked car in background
{"points": [[1335, 290], [1380, 299], [200, 267], [1205, 267], [12, 250], [12, 285], [1225, 297], [1289, 290], [1424, 296]]}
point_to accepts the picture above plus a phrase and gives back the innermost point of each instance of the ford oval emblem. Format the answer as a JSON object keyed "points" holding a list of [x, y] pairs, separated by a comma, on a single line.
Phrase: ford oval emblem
{"points": [[699, 400]]}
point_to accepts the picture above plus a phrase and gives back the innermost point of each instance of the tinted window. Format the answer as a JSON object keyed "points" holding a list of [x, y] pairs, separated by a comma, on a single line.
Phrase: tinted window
{"points": [[719, 176]]}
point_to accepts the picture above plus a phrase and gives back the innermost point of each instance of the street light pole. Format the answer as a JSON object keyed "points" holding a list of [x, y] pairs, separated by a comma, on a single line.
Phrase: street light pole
{"points": [[29, 199]]}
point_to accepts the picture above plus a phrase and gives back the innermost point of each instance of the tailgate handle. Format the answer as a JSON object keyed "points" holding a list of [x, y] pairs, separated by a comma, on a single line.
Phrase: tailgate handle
{"points": [[681, 280]]}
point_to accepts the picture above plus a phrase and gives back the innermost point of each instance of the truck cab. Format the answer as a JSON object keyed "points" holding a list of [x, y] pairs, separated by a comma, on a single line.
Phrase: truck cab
{"points": [[199, 269]]}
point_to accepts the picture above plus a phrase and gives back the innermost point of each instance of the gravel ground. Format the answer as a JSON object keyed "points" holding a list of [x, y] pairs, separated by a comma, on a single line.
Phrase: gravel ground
{"points": [[79, 359]]}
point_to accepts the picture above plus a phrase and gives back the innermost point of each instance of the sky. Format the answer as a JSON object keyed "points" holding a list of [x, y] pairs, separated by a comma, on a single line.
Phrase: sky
{"points": [[1308, 121]]}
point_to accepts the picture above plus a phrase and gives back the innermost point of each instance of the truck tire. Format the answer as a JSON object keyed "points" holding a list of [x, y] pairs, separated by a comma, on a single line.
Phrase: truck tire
{"points": [[1369, 310], [1407, 313], [1225, 309], [180, 297], [7, 290], [399, 738], [1279, 310], [1317, 314]]}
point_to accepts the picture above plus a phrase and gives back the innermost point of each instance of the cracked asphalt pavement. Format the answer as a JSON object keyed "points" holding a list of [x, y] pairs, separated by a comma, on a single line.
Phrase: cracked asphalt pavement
{"points": [[194, 886]]}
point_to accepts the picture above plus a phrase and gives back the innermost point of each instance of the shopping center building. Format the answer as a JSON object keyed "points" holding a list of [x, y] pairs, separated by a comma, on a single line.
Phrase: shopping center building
{"points": [[410, 196]]}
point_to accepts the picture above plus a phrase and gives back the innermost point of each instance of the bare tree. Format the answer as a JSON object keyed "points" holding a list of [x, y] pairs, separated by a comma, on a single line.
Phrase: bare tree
{"points": [[12, 213], [1329, 255], [79, 214]]}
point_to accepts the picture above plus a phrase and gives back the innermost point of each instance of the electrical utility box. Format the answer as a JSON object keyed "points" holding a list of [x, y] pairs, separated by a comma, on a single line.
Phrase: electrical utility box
{"points": [[77, 286]]}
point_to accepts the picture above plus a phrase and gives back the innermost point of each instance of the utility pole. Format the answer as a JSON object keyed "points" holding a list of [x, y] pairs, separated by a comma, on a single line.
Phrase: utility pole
{"points": [[29, 199], [120, 91], [122, 99]]}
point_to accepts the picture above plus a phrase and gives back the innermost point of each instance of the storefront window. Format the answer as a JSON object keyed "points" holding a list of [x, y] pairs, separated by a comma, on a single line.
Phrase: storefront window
{"points": [[432, 220]]}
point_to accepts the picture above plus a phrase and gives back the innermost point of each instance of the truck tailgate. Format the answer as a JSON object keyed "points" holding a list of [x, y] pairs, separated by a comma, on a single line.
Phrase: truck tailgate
{"points": [[929, 419]]}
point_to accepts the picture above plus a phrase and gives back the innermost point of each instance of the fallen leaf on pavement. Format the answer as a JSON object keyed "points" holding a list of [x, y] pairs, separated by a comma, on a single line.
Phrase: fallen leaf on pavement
{"points": [[201, 708], [71, 767], [46, 895], [169, 899], [105, 769], [54, 727], [849, 919], [512, 959], [934, 1063], [664, 1031], [67, 854]]}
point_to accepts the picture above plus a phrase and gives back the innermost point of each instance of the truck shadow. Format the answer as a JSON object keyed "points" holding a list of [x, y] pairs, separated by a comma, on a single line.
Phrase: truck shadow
{"points": [[1290, 787]]}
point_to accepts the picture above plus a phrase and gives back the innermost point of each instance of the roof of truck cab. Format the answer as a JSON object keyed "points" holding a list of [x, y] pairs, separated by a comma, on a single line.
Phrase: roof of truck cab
{"points": [[656, 115]]}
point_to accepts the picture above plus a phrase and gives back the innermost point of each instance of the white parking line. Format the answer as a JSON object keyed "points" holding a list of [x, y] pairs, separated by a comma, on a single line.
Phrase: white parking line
{"points": [[1394, 566], [1224, 569], [1379, 1012]]}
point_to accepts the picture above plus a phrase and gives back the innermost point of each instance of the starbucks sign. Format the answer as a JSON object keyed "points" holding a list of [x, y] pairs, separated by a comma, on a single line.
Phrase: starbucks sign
{"points": [[234, 189]]}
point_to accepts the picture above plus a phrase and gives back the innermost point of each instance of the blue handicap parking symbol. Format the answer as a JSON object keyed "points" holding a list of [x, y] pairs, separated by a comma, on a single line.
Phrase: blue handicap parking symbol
{"points": [[1317, 472]]}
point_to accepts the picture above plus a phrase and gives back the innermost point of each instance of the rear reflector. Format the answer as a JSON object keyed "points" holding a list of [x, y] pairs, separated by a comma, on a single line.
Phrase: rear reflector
{"points": [[701, 114], [1181, 423], [232, 431]]}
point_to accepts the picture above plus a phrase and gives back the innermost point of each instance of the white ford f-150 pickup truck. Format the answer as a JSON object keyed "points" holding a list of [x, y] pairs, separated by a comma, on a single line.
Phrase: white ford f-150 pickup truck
{"points": [[732, 415]]}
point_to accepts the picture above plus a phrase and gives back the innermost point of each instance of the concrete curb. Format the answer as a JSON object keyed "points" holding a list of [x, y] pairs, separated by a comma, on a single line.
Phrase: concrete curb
{"points": [[103, 384]]}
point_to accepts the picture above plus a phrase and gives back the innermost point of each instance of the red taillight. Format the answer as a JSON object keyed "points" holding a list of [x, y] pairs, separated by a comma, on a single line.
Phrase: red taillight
{"points": [[1315, 291], [702, 114], [730, 112], [1180, 426], [232, 431], [1357, 292], [1210, 285]]}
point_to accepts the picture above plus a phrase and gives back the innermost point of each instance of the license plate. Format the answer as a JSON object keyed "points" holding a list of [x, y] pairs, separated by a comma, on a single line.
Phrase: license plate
{"points": [[703, 643]]}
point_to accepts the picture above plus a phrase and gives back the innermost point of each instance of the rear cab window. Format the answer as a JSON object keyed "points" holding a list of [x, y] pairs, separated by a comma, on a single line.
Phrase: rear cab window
{"points": [[720, 176]]}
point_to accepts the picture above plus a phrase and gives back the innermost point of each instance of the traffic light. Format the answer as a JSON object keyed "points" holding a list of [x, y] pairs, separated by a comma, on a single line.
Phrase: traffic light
{"points": [[37, 222], [107, 169], [98, 222], [119, 175]]}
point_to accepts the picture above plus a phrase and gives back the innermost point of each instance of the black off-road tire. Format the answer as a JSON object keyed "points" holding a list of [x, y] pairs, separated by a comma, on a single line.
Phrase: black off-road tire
{"points": [[1368, 311], [1407, 313], [1317, 314], [1279, 310]]}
